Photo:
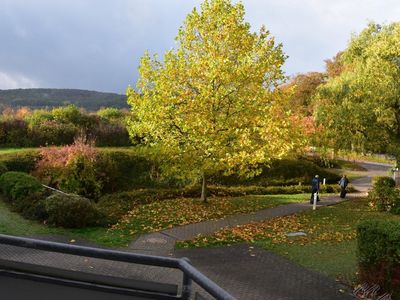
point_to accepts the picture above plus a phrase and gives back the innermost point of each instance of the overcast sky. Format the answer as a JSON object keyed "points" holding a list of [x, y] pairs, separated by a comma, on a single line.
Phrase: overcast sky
{"points": [[97, 44]]}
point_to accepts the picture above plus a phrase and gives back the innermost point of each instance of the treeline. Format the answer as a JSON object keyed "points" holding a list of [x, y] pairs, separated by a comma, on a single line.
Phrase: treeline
{"points": [[60, 126], [50, 98]]}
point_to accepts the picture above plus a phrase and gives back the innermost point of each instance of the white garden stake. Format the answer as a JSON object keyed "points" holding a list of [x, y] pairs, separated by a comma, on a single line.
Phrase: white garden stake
{"points": [[315, 201]]}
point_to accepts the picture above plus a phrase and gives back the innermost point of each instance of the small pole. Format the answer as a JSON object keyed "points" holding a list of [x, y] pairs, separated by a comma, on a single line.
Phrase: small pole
{"points": [[53, 189], [324, 181], [315, 201]]}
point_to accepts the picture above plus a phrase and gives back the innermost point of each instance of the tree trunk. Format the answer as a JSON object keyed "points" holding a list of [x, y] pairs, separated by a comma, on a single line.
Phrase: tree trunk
{"points": [[204, 189]]}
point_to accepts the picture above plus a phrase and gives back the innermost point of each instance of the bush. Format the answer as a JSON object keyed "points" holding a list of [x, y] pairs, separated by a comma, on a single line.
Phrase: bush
{"points": [[69, 211], [383, 181], [384, 196], [379, 254], [31, 207], [18, 185], [71, 168], [80, 178]]}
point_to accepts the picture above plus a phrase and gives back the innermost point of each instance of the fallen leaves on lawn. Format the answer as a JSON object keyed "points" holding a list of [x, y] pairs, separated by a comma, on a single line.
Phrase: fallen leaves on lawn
{"points": [[276, 231], [161, 215]]}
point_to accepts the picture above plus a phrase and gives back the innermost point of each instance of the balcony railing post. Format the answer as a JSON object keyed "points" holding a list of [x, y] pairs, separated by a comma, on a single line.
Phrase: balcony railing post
{"points": [[186, 287]]}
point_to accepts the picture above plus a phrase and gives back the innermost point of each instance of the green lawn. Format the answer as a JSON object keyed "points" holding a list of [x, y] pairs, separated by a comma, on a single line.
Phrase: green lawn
{"points": [[337, 260], [367, 157], [349, 165], [148, 218], [330, 244], [15, 150]]}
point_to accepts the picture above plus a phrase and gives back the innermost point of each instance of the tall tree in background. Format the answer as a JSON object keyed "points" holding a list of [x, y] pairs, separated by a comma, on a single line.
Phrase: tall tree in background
{"points": [[334, 66], [212, 104], [360, 108], [303, 88]]}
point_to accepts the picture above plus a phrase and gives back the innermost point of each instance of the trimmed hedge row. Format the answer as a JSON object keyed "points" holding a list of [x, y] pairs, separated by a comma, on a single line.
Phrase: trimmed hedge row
{"points": [[125, 169], [270, 190], [379, 254], [280, 173], [23, 161]]}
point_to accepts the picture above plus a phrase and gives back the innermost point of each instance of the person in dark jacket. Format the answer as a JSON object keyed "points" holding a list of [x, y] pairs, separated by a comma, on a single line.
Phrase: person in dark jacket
{"points": [[314, 188], [343, 185]]}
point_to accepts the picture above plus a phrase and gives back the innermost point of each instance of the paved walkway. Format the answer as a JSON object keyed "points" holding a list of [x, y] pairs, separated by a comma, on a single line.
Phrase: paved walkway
{"points": [[246, 272], [251, 273]]}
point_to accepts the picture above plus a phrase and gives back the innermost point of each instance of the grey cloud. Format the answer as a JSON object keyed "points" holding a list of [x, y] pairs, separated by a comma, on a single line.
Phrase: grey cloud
{"points": [[97, 44]]}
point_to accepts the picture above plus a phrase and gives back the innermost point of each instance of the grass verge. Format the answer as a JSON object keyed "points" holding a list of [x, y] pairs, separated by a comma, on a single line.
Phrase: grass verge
{"points": [[16, 150], [379, 158]]}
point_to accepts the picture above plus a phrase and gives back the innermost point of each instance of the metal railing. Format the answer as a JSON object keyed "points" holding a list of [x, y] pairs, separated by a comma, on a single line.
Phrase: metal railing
{"points": [[190, 274]]}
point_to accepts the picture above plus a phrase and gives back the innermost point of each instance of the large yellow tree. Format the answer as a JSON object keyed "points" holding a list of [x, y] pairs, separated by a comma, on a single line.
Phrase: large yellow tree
{"points": [[212, 104]]}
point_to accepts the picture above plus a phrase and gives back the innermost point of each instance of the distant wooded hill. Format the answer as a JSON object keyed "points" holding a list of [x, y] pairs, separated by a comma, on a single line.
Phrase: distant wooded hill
{"points": [[48, 98]]}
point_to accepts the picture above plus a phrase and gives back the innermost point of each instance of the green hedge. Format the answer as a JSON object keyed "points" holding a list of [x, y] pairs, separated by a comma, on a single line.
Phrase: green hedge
{"points": [[69, 211], [384, 196], [383, 181], [23, 161], [23, 192], [379, 254], [280, 173], [124, 169], [270, 190], [19, 185]]}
